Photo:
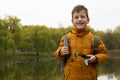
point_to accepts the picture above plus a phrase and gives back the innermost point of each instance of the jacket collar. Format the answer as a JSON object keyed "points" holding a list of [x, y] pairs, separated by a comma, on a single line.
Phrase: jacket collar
{"points": [[80, 33]]}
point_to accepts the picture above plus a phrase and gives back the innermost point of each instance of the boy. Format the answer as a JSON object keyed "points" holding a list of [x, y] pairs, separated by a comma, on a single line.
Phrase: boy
{"points": [[81, 64]]}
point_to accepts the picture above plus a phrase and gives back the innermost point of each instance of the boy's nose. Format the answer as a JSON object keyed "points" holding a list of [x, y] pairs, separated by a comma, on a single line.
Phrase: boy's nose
{"points": [[79, 18]]}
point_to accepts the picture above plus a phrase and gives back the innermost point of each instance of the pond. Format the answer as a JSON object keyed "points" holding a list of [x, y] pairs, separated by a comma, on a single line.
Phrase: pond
{"points": [[49, 69]]}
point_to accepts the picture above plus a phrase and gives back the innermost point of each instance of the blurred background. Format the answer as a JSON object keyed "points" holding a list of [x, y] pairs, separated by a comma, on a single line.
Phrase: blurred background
{"points": [[30, 32]]}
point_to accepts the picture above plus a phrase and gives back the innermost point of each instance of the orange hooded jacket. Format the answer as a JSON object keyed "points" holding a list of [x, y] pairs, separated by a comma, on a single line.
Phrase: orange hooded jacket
{"points": [[75, 68]]}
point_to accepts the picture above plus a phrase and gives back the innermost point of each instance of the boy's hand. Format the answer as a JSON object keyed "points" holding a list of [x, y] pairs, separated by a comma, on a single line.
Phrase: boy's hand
{"points": [[92, 59], [64, 50]]}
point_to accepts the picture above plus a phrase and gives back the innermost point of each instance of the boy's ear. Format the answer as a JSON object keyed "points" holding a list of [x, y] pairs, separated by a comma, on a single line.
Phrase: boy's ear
{"points": [[88, 20]]}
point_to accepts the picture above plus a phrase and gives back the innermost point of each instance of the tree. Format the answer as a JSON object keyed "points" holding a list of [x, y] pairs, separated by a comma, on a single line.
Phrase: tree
{"points": [[110, 40]]}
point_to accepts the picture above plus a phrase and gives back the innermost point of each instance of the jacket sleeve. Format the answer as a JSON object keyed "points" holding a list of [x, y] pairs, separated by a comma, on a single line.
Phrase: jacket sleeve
{"points": [[57, 52], [102, 54]]}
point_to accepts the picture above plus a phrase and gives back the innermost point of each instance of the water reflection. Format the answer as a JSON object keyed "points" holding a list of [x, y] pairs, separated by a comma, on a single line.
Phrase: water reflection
{"points": [[105, 77], [112, 69], [48, 69]]}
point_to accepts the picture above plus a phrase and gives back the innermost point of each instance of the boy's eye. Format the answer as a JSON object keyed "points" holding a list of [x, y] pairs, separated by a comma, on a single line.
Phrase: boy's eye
{"points": [[76, 17], [82, 16]]}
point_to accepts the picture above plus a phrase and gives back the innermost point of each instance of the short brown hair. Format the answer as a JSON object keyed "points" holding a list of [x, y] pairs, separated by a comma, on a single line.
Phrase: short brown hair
{"points": [[78, 8]]}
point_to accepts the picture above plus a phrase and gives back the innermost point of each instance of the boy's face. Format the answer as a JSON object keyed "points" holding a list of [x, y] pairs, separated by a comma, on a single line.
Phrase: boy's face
{"points": [[80, 19]]}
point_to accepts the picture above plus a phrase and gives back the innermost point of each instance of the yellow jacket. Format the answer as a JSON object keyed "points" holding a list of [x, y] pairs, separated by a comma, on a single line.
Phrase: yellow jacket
{"points": [[75, 68]]}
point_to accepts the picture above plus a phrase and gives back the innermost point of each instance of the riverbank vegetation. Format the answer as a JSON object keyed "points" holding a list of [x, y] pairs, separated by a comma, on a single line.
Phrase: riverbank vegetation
{"points": [[16, 38]]}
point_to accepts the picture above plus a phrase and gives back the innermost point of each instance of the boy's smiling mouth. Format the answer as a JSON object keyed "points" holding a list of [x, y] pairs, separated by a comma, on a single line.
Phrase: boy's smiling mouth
{"points": [[80, 23]]}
